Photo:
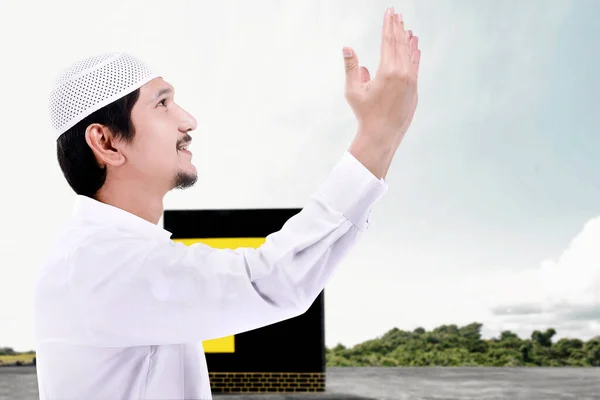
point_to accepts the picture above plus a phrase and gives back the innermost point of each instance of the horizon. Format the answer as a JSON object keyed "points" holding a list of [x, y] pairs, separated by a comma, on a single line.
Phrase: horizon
{"points": [[379, 337]]}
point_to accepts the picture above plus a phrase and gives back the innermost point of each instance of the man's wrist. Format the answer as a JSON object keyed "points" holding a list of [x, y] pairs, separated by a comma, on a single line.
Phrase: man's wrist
{"points": [[373, 151]]}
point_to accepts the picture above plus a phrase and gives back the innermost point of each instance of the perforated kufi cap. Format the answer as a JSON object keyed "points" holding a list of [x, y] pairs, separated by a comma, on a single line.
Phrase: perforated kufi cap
{"points": [[92, 83]]}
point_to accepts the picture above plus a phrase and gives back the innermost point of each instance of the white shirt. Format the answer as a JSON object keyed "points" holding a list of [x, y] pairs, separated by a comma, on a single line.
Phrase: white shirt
{"points": [[121, 310]]}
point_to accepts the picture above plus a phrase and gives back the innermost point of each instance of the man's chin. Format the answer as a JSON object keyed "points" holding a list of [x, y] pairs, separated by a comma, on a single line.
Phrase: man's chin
{"points": [[184, 180]]}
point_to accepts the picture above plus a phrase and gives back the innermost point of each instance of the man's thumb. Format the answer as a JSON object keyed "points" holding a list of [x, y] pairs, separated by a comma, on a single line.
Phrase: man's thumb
{"points": [[351, 66]]}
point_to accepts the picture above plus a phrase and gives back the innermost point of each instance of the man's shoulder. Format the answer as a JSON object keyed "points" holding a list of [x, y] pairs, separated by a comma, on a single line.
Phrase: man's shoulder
{"points": [[75, 242]]}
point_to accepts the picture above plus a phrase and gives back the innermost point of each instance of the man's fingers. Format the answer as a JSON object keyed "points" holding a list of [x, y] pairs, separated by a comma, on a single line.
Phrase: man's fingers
{"points": [[400, 54], [414, 44], [416, 62], [402, 51], [416, 58], [388, 39], [351, 67], [399, 30]]}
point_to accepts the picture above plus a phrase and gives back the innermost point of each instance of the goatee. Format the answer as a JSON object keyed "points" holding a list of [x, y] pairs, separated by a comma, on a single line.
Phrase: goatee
{"points": [[183, 180]]}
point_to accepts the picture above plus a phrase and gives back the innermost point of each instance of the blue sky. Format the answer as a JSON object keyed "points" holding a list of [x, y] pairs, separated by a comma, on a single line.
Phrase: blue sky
{"points": [[493, 193], [515, 177]]}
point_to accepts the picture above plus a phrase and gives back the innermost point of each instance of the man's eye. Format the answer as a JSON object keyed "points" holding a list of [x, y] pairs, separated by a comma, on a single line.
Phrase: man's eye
{"points": [[162, 102]]}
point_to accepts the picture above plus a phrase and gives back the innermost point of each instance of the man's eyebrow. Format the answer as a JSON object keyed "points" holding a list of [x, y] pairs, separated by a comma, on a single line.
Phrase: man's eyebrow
{"points": [[160, 93]]}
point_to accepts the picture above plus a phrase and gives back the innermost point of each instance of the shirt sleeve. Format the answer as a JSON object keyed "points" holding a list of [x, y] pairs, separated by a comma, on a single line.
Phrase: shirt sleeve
{"points": [[167, 292]]}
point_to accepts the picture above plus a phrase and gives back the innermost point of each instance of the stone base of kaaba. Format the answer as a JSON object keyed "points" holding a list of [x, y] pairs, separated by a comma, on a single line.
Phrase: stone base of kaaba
{"points": [[291, 396]]}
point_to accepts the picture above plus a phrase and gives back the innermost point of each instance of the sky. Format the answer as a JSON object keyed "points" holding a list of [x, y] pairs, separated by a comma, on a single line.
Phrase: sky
{"points": [[493, 208]]}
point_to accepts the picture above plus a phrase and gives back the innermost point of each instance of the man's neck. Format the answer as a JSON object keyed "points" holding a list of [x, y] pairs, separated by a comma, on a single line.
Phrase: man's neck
{"points": [[133, 199]]}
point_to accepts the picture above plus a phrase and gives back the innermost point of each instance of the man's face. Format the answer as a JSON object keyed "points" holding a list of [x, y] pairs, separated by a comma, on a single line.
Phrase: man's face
{"points": [[157, 155]]}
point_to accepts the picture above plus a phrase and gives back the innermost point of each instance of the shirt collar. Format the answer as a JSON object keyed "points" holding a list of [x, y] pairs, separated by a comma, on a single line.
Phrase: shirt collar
{"points": [[87, 209]]}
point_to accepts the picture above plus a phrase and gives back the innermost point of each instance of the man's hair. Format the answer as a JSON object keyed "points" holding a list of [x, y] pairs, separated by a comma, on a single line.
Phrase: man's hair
{"points": [[75, 157]]}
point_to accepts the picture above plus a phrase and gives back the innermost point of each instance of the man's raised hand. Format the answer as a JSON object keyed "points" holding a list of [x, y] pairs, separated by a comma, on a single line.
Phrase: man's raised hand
{"points": [[385, 105]]}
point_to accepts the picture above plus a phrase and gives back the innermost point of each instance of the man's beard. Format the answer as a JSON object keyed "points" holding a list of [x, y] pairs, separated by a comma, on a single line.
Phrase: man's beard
{"points": [[183, 180]]}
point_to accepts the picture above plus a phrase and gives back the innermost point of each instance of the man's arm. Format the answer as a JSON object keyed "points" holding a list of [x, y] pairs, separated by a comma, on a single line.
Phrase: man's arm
{"points": [[166, 292]]}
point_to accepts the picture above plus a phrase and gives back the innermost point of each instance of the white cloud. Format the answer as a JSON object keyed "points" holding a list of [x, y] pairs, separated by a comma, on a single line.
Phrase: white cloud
{"points": [[562, 293]]}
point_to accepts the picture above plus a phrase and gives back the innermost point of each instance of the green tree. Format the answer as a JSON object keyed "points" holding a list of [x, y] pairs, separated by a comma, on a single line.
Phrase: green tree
{"points": [[591, 351], [451, 345], [543, 339], [7, 351]]}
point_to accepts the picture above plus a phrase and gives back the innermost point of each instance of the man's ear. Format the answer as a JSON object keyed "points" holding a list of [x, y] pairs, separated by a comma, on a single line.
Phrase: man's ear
{"points": [[102, 142]]}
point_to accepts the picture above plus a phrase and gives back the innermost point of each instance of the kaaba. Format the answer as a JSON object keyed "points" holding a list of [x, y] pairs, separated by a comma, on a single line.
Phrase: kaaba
{"points": [[285, 357]]}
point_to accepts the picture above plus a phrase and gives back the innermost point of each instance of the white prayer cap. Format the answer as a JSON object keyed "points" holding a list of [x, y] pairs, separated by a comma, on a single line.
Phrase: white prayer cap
{"points": [[90, 84]]}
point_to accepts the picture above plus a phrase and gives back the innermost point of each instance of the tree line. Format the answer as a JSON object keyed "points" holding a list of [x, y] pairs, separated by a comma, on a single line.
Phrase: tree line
{"points": [[450, 345]]}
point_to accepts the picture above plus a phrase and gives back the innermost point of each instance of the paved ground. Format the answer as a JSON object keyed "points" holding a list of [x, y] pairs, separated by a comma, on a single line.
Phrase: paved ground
{"points": [[402, 384]]}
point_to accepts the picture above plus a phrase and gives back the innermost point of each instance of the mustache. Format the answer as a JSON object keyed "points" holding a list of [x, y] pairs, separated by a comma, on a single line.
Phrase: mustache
{"points": [[184, 140]]}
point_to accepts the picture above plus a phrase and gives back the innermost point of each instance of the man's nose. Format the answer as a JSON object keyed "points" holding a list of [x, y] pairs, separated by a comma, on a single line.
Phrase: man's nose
{"points": [[188, 122]]}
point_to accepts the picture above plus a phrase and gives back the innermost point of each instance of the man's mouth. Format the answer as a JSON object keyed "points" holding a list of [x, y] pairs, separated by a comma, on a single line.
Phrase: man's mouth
{"points": [[184, 143], [184, 148]]}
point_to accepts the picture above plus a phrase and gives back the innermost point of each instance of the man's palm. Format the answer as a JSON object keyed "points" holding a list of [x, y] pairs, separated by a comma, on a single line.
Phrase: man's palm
{"points": [[389, 101]]}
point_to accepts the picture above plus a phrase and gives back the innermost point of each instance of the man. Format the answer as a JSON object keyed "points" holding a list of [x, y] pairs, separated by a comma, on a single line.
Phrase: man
{"points": [[120, 309]]}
